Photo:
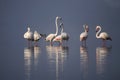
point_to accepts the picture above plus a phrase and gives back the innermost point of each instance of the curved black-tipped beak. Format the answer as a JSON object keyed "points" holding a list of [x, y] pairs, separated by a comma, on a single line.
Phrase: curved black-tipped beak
{"points": [[60, 26]]}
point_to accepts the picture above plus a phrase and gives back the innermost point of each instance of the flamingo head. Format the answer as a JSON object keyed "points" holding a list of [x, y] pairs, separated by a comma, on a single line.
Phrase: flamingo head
{"points": [[86, 27], [60, 18], [28, 28], [97, 28]]}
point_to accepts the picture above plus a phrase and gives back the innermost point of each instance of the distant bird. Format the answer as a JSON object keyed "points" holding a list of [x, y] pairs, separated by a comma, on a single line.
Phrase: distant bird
{"points": [[28, 35], [36, 36], [51, 36], [103, 35], [63, 36], [84, 35]]}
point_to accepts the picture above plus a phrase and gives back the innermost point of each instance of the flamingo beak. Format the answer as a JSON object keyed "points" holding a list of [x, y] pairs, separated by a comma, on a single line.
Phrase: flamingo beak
{"points": [[60, 18]]}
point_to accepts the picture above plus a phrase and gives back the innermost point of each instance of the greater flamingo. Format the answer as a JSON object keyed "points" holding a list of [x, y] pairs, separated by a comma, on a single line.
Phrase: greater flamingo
{"points": [[58, 39], [36, 36], [62, 36], [51, 36], [103, 35], [28, 35], [84, 35]]}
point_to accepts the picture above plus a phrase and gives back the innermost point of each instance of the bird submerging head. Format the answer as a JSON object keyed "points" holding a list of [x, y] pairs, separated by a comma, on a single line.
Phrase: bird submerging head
{"points": [[103, 35], [32, 37], [36, 37]]}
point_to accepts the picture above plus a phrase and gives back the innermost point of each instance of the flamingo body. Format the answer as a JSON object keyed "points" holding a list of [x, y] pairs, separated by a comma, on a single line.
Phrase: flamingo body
{"points": [[50, 37], [58, 39], [105, 36], [36, 36], [28, 35], [84, 35]]}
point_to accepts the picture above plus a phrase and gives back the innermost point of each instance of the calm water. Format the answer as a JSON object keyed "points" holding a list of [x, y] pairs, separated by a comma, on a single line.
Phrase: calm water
{"points": [[72, 61], [68, 62]]}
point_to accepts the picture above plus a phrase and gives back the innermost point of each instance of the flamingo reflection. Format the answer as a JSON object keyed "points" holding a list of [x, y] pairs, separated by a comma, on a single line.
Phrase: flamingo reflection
{"points": [[101, 58], [31, 55], [84, 61], [57, 55]]}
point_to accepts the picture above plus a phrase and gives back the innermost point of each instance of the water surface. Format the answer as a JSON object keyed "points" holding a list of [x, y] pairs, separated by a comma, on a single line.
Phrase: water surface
{"points": [[72, 61]]}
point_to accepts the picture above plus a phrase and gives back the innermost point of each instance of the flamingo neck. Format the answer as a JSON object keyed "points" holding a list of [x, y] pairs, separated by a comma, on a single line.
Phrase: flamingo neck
{"points": [[56, 22], [62, 29], [97, 34], [85, 28]]}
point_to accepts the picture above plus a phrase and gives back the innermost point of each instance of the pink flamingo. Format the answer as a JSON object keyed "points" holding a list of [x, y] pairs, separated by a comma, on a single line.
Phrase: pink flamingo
{"points": [[103, 35], [84, 35], [51, 36]]}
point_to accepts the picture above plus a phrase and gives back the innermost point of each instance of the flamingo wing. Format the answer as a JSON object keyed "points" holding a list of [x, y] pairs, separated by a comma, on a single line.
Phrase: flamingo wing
{"points": [[105, 36], [83, 36], [58, 38], [50, 37]]}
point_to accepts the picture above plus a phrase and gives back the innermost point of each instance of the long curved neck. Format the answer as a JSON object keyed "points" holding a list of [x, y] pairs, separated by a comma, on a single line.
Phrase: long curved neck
{"points": [[56, 22], [84, 26], [28, 29], [97, 34], [62, 29]]}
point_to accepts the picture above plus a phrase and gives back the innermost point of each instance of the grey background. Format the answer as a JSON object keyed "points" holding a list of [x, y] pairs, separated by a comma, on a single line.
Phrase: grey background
{"points": [[16, 15]]}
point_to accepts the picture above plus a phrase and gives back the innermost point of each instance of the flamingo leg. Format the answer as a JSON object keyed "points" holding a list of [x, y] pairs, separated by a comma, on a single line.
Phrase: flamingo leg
{"points": [[60, 43], [85, 43], [35, 43], [104, 43], [28, 43], [82, 43], [51, 43]]}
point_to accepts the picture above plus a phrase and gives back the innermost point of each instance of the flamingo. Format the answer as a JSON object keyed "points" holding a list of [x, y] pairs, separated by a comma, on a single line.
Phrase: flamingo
{"points": [[36, 36], [51, 36], [28, 35], [62, 36], [103, 35], [84, 35], [58, 39]]}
